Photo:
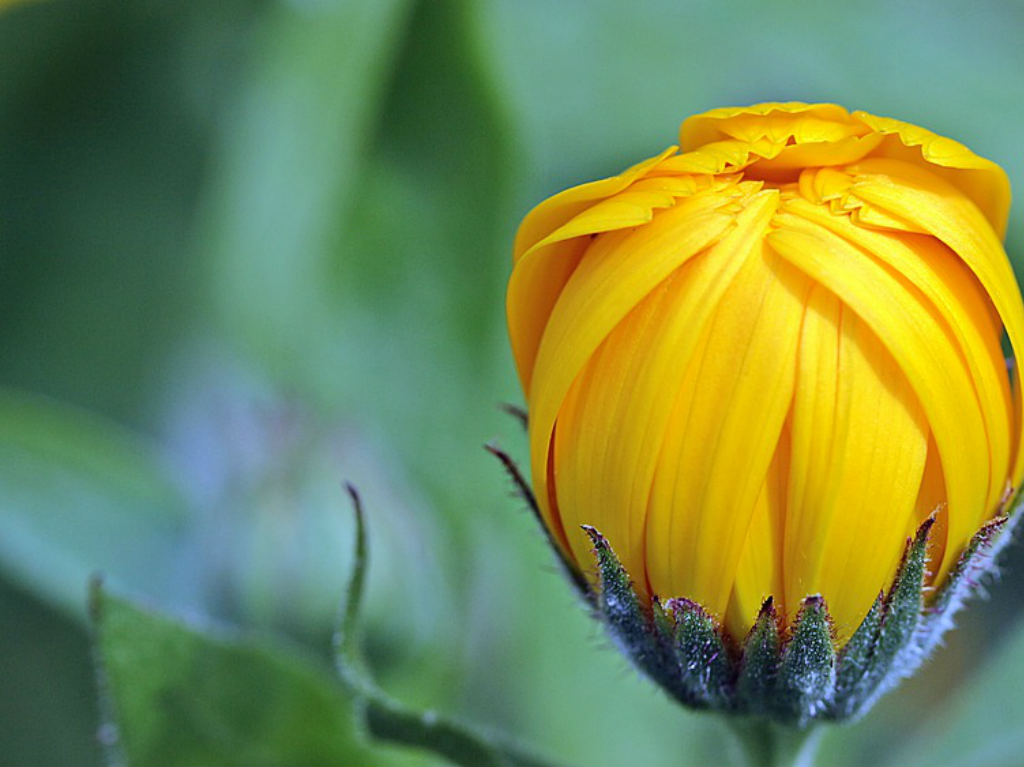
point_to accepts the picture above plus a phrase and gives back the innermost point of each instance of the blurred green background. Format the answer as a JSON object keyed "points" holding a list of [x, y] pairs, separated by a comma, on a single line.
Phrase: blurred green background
{"points": [[249, 249]]}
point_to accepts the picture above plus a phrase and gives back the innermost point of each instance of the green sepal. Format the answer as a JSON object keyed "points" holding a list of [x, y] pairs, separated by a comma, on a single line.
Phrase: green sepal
{"points": [[630, 626], [806, 677], [522, 489], [894, 654], [798, 678], [977, 560], [706, 672], [759, 665], [853, 661]]}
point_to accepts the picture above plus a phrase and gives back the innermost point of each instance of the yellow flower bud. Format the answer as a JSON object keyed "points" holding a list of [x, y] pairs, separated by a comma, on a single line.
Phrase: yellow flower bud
{"points": [[758, 361]]}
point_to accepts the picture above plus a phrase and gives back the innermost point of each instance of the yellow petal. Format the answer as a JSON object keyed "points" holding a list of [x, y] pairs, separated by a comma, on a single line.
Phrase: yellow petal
{"points": [[620, 270], [778, 121], [984, 182], [536, 283], [611, 423], [761, 569], [555, 211], [946, 283], [719, 157], [617, 272], [914, 335], [723, 431], [543, 269], [772, 140], [859, 442], [547, 251], [934, 205]]}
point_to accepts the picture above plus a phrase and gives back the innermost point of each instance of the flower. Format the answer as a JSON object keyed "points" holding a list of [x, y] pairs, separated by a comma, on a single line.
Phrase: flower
{"points": [[758, 362]]}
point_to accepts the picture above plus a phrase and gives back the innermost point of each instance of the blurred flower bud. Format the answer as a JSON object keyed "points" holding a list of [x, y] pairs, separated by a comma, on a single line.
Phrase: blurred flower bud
{"points": [[764, 371]]}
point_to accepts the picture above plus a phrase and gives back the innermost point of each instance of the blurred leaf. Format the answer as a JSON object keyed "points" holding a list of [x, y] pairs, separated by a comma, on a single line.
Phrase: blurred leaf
{"points": [[363, 267], [78, 495], [357, 225], [979, 724], [421, 261], [287, 160], [102, 152], [176, 695], [48, 712], [389, 720]]}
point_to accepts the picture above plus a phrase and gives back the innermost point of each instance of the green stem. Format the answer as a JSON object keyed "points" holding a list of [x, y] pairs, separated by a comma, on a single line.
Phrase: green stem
{"points": [[767, 744], [459, 744], [389, 720]]}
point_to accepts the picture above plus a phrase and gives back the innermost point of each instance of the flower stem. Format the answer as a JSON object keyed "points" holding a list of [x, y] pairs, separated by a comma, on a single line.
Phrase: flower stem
{"points": [[766, 744]]}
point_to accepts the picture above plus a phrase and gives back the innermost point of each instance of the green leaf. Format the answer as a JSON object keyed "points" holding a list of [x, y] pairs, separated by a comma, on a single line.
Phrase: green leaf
{"points": [[78, 495], [175, 694]]}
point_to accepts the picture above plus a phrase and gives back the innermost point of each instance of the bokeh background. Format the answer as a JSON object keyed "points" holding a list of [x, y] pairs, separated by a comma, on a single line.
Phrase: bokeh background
{"points": [[252, 248]]}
